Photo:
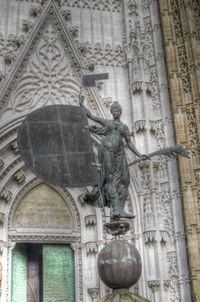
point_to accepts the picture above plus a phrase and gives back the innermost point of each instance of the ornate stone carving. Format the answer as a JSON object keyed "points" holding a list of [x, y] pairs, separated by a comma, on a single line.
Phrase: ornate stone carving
{"points": [[1, 163], [107, 56], [66, 12], [154, 285], [74, 30], [14, 147], [165, 212], [27, 25], [80, 197], [157, 128], [19, 176], [90, 220], [94, 293], [2, 218], [38, 78], [149, 237], [91, 247], [172, 260], [145, 174], [35, 9], [5, 195], [9, 58], [140, 125]]}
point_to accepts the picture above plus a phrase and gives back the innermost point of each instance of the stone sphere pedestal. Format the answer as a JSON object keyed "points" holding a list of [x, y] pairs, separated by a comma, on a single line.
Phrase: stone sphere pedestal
{"points": [[119, 265]]}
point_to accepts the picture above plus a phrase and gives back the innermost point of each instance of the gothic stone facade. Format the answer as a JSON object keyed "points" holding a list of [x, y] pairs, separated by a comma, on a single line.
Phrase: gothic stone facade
{"points": [[42, 46]]}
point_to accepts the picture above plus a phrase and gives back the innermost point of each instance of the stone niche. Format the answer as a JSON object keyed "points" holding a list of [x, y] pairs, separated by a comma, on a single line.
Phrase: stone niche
{"points": [[42, 208]]}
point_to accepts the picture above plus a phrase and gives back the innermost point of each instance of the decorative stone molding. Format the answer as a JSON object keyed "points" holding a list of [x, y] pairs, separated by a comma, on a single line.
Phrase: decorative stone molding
{"points": [[164, 236], [1, 163], [91, 247], [27, 25], [74, 30], [9, 57], [149, 237], [5, 195], [94, 293], [14, 147], [90, 220], [154, 285], [140, 125], [2, 218], [19, 176], [66, 12], [172, 260], [80, 197], [35, 9], [157, 128], [166, 284]]}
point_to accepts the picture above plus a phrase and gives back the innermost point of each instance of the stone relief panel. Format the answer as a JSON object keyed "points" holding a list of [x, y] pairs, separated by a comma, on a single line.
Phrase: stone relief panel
{"points": [[43, 208], [47, 78]]}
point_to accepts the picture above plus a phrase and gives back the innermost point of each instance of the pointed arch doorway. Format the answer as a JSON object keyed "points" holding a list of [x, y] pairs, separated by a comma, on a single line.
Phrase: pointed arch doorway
{"points": [[44, 225]]}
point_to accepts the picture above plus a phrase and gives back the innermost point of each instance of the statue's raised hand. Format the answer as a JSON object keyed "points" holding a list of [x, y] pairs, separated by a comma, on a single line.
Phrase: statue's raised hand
{"points": [[81, 99]]}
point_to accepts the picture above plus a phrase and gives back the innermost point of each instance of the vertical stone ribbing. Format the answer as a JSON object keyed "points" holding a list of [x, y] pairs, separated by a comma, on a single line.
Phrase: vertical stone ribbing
{"points": [[181, 27]]}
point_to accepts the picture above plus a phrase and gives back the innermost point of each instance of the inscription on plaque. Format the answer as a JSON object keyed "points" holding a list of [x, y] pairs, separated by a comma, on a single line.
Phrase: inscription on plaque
{"points": [[58, 273], [54, 142], [43, 207]]}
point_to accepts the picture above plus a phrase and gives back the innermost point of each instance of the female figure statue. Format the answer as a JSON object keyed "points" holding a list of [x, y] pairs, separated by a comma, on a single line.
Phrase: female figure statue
{"points": [[114, 172]]}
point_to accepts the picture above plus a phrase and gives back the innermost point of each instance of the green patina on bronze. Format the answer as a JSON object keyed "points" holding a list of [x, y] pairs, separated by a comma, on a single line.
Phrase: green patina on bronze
{"points": [[58, 273], [114, 169], [19, 274]]}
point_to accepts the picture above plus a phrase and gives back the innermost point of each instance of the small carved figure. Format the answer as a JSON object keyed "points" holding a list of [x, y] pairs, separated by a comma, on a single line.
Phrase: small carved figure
{"points": [[114, 172]]}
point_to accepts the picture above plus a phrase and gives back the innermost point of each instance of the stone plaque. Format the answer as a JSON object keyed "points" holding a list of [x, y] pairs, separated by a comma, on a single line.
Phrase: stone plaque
{"points": [[43, 208], [54, 142]]}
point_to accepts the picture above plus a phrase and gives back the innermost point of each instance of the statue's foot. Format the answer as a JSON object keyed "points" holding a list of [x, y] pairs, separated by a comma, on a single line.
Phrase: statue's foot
{"points": [[126, 215]]}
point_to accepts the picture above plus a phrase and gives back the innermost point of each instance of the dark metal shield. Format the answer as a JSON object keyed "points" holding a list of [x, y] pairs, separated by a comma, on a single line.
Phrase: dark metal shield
{"points": [[55, 144]]}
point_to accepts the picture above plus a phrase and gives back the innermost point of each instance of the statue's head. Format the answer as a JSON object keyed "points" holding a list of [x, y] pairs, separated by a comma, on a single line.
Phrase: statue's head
{"points": [[116, 109]]}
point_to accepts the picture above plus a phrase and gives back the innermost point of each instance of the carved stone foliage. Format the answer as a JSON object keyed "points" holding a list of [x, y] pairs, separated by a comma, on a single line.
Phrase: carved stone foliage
{"points": [[104, 5], [165, 212], [19, 176], [158, 130], [106, 56], [91, 247], [174, 292], [47, 78], [90, 220], [145, 174], [94, 293], [9, 48], [194, 141], [154, 285], [5, 195], [140, 53]]}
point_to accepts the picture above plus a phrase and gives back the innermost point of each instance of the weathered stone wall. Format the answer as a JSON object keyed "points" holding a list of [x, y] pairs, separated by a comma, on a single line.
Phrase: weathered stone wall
{"points": [[181, 31], [41, 49]]}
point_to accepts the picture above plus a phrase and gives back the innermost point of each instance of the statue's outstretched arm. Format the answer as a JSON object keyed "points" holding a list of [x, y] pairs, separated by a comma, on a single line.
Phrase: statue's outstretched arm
{"points": [[131, 146], [89, 114]]}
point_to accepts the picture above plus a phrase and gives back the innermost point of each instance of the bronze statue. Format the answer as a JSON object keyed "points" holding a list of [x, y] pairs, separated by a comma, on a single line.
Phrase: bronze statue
{"points": [[114, 169], [114, 173]]}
